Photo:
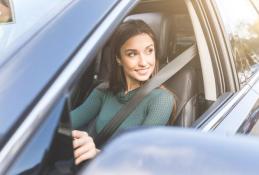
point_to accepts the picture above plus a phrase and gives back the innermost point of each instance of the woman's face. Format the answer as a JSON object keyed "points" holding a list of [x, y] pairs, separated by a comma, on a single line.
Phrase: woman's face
{"points": [[137, 59]]}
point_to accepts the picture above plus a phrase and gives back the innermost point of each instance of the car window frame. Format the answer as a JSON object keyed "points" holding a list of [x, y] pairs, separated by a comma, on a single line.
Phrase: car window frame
{"points": [[208, 73], [239, 93], [215, 115]]}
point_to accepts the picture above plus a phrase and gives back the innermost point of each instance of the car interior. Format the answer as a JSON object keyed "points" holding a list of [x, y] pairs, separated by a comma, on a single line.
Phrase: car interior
{"points": [[170, 20]]}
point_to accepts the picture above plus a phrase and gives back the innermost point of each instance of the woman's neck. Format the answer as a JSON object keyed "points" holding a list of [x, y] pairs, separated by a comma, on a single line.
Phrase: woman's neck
{"points": [[131, 87]]}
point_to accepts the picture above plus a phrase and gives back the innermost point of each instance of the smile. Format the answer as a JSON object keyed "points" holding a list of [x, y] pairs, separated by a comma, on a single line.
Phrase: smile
{"points": [[142, 71]]}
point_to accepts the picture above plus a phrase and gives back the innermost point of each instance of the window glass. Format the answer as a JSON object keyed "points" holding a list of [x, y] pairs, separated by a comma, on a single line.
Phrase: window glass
{"points": [[28, 19], [241, 22]]}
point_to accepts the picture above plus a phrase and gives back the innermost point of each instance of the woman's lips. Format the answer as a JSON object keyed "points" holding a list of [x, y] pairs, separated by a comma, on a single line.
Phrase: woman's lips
{"points": [[142, 71]]}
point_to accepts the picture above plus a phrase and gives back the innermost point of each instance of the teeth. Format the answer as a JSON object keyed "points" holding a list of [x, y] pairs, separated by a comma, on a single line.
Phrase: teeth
{"points": [[142, 71]]}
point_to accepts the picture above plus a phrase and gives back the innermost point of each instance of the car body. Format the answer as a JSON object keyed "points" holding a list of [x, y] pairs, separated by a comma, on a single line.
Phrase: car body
{"points": [[50, 61]]}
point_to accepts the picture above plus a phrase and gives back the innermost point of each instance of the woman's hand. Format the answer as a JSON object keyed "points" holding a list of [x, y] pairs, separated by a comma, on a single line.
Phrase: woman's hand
{"points": [[84, 147]]}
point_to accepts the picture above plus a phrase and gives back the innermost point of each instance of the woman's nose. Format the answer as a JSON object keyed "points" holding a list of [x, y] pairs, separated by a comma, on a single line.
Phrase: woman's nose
{"points": [[142, 60]]}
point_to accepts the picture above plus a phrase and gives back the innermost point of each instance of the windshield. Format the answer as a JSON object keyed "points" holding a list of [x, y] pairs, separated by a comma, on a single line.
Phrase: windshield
{"points": [[28, 16]]}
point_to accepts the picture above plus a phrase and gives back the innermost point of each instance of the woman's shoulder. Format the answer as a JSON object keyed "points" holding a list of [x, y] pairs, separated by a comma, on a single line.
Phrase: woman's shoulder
{"points": [[103, 89], [102, 86], [162, 91], [161, 98], [162, 94]]}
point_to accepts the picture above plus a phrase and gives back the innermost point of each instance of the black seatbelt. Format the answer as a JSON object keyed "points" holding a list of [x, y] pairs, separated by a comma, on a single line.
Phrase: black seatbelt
{"points": [[162, 76]]}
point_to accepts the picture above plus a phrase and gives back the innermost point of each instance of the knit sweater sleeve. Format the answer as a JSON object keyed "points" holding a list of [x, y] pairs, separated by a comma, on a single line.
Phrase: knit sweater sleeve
{"points": [[87, 110], [159, 109]]}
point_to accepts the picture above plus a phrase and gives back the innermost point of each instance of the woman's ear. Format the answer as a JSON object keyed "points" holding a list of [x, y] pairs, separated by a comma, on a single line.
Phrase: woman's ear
{"points": [[118, 60]]}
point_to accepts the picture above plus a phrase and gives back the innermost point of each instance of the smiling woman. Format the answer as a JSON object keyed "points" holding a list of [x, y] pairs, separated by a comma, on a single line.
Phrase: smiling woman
{"points": [[134, 60]]}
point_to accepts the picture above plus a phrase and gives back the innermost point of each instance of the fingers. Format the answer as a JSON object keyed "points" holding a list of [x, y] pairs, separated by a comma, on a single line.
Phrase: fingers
{"points": [[83, 145], [78, 134], [88, 155], [81, 141]]}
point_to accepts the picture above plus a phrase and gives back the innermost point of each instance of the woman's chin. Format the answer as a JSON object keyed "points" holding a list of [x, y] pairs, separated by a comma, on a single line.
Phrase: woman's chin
{"points": [[143, 78]]}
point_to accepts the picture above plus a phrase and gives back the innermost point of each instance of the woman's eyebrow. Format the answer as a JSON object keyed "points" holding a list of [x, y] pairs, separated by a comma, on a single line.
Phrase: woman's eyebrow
{"points": [[150, 45], [134, 50], [129, 50]]}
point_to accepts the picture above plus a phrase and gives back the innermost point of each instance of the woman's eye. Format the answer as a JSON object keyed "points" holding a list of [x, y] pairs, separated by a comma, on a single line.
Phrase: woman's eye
{"points": [[150, 51], [131, 54]]}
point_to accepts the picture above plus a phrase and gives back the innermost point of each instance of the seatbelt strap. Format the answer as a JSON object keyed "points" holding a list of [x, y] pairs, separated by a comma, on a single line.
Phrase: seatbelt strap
{"points": [[162, 76], [97, 67]]}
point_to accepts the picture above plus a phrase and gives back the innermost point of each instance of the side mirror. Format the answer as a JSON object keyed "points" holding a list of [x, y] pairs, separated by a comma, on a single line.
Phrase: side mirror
{"points": [[167, 150]]}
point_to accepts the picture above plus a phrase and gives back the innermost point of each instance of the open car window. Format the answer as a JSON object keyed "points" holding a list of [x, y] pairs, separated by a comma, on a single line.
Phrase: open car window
{"points": [[175, 33]]}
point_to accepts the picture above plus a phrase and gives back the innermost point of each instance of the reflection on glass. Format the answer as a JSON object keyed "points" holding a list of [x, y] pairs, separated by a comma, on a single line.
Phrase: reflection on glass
{"points": [[242, 25]]}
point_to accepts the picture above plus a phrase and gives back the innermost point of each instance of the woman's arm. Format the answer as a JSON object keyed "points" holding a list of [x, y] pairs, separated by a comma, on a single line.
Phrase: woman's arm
{"points": [[83, 144], [87, 110]]}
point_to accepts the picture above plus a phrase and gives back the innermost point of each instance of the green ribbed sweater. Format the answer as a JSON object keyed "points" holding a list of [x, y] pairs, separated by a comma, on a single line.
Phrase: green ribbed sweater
{"points": [[155, 109]]}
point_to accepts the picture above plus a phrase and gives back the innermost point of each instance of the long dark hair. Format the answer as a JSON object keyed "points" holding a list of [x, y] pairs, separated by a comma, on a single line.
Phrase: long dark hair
{"points": [[125, 31]]}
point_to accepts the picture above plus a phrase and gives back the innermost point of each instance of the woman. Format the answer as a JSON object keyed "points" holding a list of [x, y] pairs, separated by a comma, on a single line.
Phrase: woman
{"points": [[135, 52]]}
